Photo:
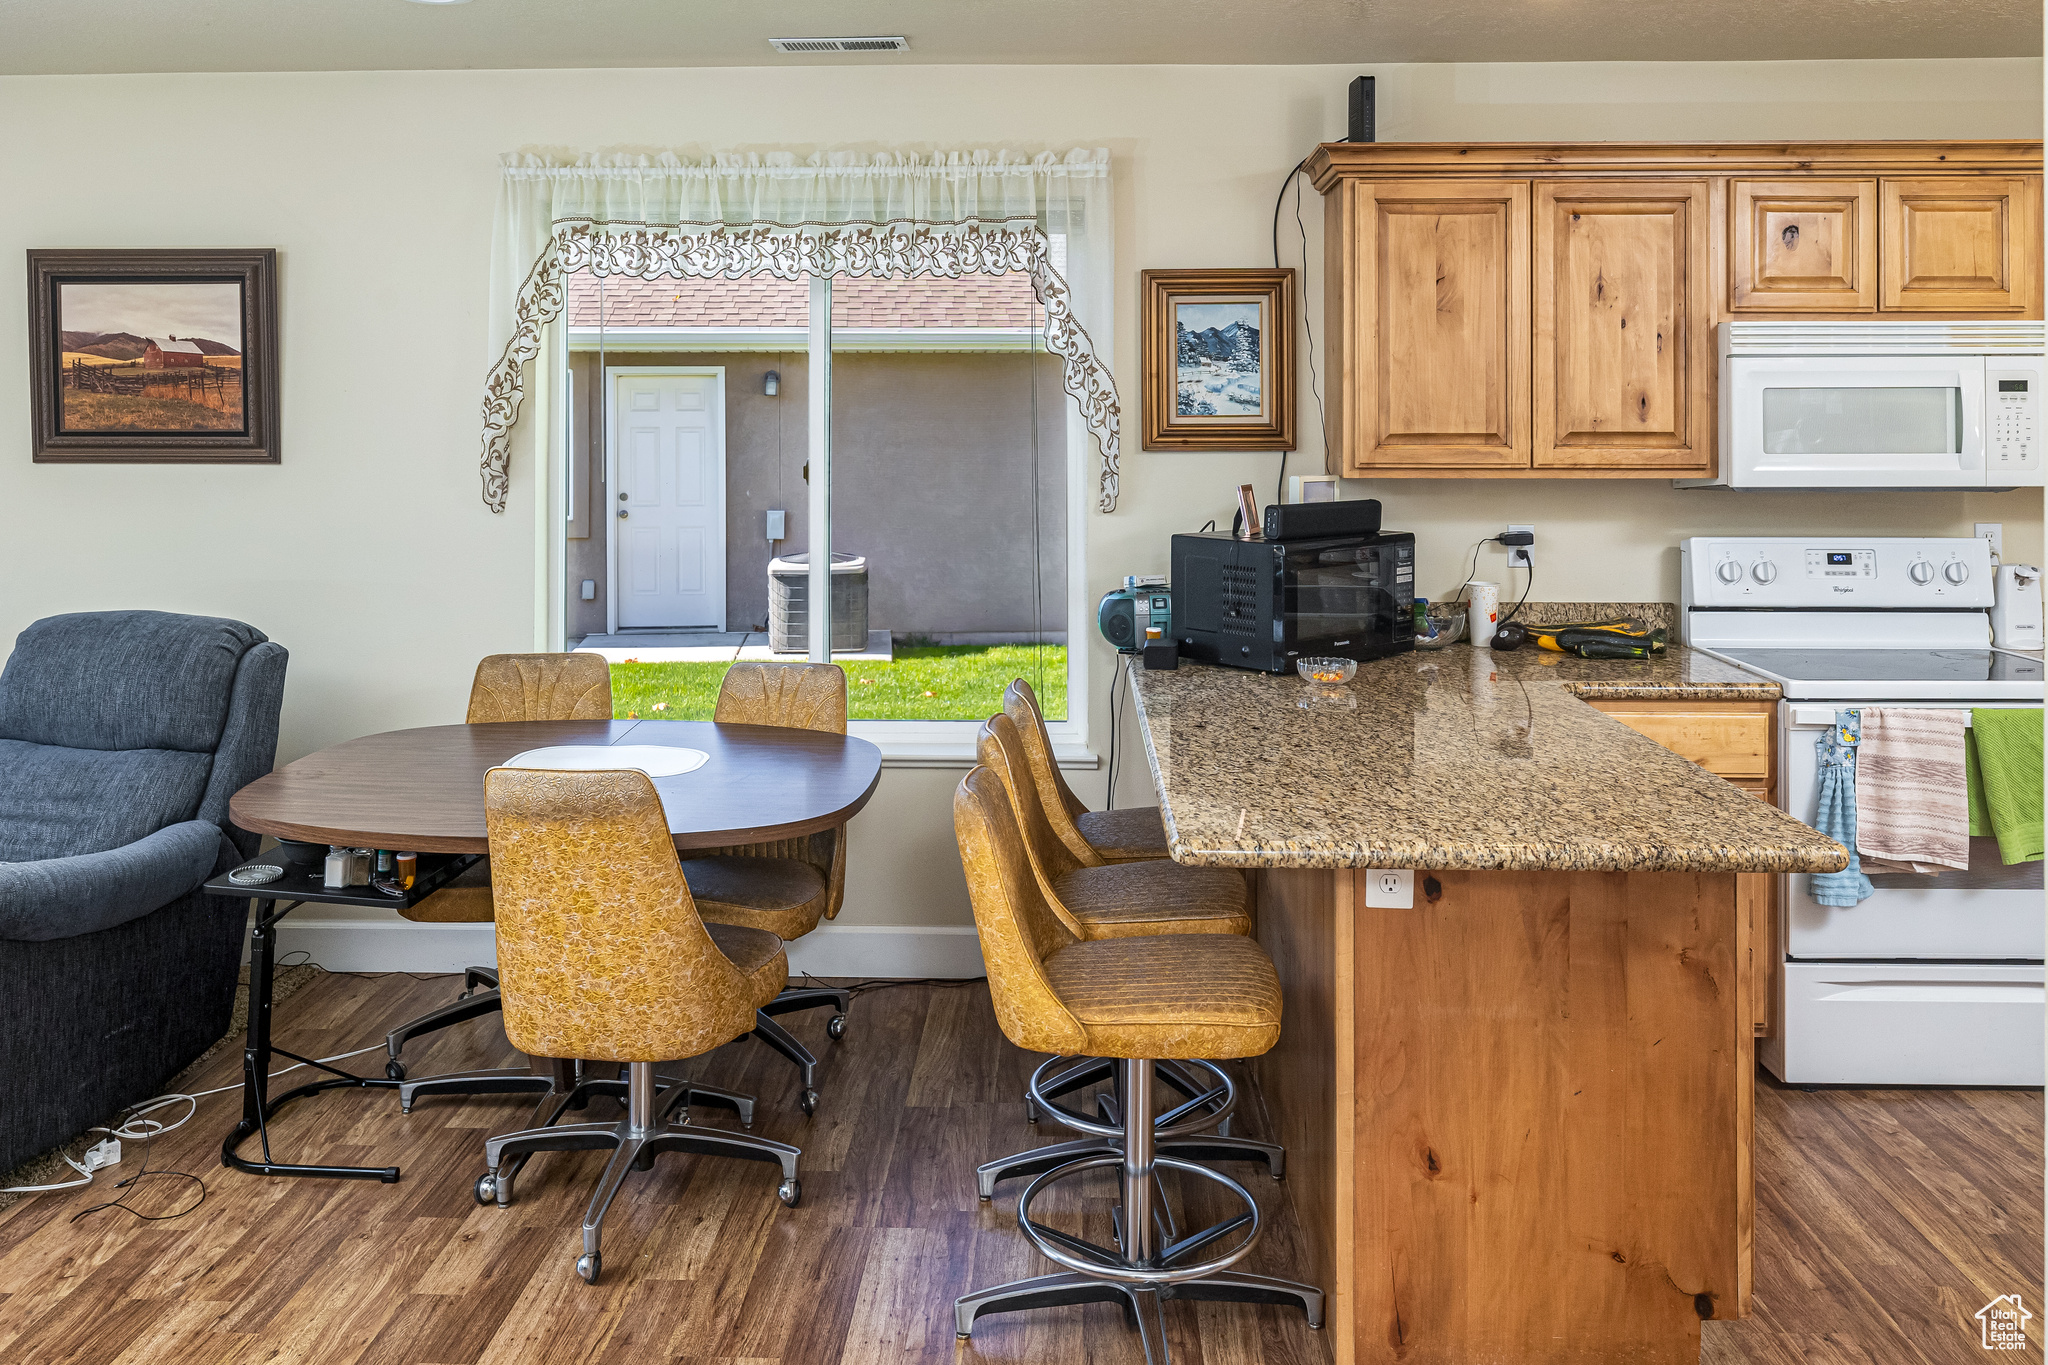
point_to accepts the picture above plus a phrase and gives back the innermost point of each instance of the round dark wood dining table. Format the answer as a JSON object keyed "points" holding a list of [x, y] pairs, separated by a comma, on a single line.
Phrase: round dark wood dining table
{"points": [[423, 790]]}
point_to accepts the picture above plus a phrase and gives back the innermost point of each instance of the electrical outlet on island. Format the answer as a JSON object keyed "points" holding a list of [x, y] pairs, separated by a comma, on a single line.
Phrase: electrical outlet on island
{"points": [[1390, 888]]}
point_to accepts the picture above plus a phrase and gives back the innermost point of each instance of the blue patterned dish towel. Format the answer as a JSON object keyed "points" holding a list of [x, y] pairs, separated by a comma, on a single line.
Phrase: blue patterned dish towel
{"points": [[1836, 815]]}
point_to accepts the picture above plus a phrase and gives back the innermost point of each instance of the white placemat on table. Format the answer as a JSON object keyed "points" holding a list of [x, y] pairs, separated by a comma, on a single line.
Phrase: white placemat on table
{"points": [[656, 760]]}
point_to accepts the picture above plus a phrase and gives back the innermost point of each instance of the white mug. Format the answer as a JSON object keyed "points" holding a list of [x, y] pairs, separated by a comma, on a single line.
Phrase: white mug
{"points": [[1482, 612]]}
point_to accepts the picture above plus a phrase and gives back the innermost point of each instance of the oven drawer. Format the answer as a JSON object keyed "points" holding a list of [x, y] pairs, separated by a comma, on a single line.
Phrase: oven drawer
{"points": [[1729, 739], [1909, 1024]]}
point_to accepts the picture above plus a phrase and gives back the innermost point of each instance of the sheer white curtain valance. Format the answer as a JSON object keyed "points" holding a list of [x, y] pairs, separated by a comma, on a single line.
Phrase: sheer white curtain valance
{"points": [[952, 214]]}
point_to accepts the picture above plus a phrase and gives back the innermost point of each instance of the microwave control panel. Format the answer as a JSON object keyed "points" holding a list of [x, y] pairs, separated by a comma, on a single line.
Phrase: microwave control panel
{"points": [[2012, 414]]}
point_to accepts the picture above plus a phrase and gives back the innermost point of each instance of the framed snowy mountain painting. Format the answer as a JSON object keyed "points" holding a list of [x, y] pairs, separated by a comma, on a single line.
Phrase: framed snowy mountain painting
{"points": [[1219, 359]]}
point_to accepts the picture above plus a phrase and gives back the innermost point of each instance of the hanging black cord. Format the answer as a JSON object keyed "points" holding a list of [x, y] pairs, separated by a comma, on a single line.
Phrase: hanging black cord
{"points": [[1280, 484], [1314, 385], [1308, 330], [1115, 725], [1528, 582]]}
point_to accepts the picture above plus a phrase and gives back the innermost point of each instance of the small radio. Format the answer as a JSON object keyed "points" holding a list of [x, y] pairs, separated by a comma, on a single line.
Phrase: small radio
{"points": [[1126, 613]]}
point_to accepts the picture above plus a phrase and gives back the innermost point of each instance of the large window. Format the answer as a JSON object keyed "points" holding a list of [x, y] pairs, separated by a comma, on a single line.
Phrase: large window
{"points": [[953, 507]]}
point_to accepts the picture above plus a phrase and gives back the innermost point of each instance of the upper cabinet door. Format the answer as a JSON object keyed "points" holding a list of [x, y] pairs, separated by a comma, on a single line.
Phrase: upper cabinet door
{"points": [[1959, 244], [1623, 364], [1802, 246], [1434, 352]]}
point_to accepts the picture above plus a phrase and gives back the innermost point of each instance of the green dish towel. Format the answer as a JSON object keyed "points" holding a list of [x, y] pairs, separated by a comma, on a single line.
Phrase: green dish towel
{"points": [[2005, 780]]}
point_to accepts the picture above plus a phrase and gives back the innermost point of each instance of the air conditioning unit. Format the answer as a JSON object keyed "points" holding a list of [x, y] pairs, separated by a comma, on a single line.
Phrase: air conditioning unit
{"points": [[840, 44]]}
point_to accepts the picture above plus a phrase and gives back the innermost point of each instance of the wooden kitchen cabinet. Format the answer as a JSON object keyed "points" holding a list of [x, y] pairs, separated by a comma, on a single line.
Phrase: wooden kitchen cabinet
{"points": [[1959, 244], [1623, 356], [1802, 246], [1435, 325], [1548, 310], [1736, 740]]}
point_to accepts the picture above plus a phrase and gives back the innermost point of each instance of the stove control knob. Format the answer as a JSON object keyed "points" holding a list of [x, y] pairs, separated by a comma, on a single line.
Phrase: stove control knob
{"points": [[1921, 572], [1956, 571], [1764, 571], [1729, 571]]}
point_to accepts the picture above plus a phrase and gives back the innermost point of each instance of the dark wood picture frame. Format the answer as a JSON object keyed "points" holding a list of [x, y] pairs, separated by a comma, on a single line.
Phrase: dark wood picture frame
{"points": [[1167, 426], [255, 270]]}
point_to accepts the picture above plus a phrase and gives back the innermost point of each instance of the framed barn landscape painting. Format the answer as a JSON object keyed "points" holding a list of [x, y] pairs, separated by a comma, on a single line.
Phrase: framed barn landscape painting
{"points": [[163, 357], [1219, 359]]}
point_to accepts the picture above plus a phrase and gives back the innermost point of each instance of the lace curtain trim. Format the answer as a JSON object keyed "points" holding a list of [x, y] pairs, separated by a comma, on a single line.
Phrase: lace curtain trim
{"points": [[793, 251]]}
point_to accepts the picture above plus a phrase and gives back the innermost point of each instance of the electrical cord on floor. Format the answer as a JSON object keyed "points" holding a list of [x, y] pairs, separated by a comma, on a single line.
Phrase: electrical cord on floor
{"points": [[137, 1126], [306, 960], [134, 1182]]}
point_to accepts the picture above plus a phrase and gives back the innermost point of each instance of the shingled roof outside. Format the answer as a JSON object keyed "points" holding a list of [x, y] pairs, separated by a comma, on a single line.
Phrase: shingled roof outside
{"points": [[975, 301]]}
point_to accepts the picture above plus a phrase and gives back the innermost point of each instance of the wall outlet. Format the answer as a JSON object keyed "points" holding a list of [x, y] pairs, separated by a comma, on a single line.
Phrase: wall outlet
{"points": [[1994, 532], [590, 589], [100, 1154], [1390, 888], [777, 523], [1522, 556]]}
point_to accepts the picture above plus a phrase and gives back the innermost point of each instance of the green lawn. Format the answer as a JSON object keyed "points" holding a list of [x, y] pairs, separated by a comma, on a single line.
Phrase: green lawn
{"points": [[923, 682]]}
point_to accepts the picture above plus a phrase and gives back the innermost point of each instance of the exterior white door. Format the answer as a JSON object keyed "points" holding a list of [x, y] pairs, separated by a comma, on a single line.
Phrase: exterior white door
{"points": [[668, 499]]}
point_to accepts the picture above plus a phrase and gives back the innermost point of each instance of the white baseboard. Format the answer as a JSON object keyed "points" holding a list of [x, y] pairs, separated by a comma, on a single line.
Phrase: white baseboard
{"points": [[377, 945]]}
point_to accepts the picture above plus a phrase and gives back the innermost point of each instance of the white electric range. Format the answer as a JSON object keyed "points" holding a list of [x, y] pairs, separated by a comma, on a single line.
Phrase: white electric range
{"points": [[1933, 980]]}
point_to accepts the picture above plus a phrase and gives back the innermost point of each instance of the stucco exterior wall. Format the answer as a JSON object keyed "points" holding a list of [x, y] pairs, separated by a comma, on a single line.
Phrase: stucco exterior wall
{"points": [[935, 479]]}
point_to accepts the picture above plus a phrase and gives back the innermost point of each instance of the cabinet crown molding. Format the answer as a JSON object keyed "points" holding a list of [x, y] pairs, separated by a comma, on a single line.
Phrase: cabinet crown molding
{"points": [[1334, 161]]}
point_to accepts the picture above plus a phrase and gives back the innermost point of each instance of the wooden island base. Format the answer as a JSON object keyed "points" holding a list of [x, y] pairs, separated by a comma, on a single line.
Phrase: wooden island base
{"points": [[1517, 1115]]}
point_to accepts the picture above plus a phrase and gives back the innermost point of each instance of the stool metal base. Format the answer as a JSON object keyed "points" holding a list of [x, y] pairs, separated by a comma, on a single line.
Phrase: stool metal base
{"points": [[1152, 1261], [1177, 1131], [1141, 1302]]}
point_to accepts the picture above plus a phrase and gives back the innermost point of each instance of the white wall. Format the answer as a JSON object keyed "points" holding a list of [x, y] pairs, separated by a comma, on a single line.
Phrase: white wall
{"points": [[368, 553]]}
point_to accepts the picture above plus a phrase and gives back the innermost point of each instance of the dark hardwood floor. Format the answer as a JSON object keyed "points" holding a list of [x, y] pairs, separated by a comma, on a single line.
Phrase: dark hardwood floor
{"points": [[1885, 1220]]}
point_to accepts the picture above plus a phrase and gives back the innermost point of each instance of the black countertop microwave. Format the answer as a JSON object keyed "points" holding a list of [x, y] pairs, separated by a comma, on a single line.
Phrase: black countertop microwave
{"points": [[1264, 603]]}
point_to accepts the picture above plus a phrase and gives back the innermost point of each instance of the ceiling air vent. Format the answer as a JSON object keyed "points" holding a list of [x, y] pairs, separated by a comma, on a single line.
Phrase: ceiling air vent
{"points": [[840, 44]]}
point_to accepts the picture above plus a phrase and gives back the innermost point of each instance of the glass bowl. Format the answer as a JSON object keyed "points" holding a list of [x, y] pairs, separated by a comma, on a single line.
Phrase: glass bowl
{"points": [[1443, 626], [1326, 673]]}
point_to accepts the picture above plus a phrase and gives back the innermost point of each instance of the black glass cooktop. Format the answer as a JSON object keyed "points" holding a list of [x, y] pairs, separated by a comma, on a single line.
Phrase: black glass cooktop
{"points": [[1892, 665]]}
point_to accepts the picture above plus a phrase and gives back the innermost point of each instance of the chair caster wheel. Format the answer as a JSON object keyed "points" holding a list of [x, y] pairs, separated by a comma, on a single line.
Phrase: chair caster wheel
{"points": [[836, 1029], [808, 1101], [395, 1070], [789, 1192], [486, 1190], [590, 1265]]}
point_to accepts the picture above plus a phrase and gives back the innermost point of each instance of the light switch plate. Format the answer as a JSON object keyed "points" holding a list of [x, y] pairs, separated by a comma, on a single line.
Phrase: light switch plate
{"points": [[1390, 888]]}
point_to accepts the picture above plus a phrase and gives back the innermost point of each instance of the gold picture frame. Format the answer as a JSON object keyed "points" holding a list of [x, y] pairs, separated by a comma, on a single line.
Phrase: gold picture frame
{"points": [[1219, 359]]}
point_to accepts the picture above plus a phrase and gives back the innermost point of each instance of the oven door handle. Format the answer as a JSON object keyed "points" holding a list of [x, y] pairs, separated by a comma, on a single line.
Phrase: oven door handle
{"points": [[1821, 717]]}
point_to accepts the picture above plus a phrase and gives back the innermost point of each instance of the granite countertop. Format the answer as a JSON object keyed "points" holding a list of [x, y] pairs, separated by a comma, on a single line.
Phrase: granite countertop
{"points": [[1458, 758]]}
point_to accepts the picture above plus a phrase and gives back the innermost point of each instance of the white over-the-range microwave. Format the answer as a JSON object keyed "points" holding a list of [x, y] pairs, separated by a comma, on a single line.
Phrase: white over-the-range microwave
{"points": [[1898, 405]]}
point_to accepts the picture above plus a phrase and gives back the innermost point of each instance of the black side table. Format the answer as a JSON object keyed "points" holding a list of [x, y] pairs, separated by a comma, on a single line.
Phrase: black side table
{"points": [[302, 884]]}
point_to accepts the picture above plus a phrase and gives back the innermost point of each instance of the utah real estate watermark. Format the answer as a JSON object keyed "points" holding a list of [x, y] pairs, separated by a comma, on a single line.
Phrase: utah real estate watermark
{"points": [[2004, 1323]]}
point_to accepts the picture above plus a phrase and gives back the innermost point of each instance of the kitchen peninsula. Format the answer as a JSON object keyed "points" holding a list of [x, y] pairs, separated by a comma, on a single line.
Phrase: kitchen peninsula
{"points": [[1516, 1092]]}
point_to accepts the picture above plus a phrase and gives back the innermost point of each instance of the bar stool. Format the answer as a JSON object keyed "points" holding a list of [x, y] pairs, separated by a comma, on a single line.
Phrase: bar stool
{"points": [[1134, 834], [1134, 999], [1100, 901], [1097, 899], [602, 956]]}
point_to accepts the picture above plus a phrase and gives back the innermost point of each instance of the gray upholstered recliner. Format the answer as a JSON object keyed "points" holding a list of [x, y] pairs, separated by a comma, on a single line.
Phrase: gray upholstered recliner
{"points": [[122, 736]]}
